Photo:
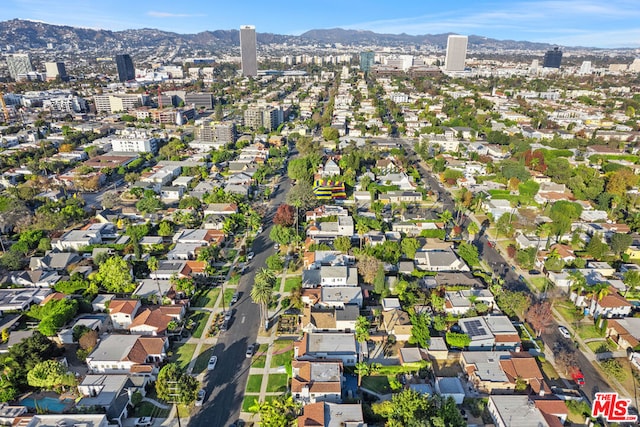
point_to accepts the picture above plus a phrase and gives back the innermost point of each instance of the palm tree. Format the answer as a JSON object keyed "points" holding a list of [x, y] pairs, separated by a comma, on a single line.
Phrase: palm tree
{"points": [[543, 230], [262, 292], [578, 281], [446, 217], [362, 369], [361, 229]]}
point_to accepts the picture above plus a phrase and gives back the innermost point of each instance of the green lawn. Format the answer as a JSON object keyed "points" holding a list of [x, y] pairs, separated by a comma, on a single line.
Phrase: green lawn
{"points": [[292, 282], [203, 360], [183, 355], [147, 409], [259, 361], [206, 297], [599, 346], [248, 402], [589, 331], [377, 383], [277, 383], [200, 319], [254, 383], [540, 283], [569, 311], [281, 359], [228, 294]]}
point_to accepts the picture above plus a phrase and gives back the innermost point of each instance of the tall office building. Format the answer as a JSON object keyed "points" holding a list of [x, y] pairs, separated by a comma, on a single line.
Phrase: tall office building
{"points": [[248, 52], [19, 63], [126, 70], [367, 60], [55, 70], [456, 53], [552, 58]]}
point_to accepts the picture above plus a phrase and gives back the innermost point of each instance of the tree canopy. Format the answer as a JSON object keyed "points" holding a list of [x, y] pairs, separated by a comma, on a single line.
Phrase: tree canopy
{"points": [[174, 385]]}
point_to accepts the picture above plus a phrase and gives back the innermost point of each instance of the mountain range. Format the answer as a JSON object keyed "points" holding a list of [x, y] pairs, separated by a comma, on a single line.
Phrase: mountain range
{"points": [[24, 34]]}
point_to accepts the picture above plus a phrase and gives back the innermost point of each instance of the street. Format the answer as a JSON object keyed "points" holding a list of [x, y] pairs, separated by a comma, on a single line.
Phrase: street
{"points": [[225, 385], [594, 381]]}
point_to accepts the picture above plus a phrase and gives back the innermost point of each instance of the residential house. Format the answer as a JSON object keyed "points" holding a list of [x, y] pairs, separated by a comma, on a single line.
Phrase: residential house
{"points": [[171, 194], [439, 260], [625, 332], [122, 354], [316, 381], [329, 230], [59, 420], [316, 259], [401, 179], [397, 322], [122, 312], [101, 301], [327, 346], [329, 319], [497, 208], [340, 296], [450, 387], [400, 197], [36, 279], [459, 302], [518, 411], [329, 169], [54, 261], [326, 414], [21, 299], [220, 209], [155, 321], [484, 371], [338, 276], [413, 357], [110, 393], [611, 305], [489, 332], [77, 239]]}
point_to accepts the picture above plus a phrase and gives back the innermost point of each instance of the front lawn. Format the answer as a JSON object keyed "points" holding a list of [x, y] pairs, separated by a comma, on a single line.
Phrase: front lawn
{"points": [[589, 331], [540, 283], [228, 294], [277, 383], [248, 402], [569, 311], [206, 297], [292, 282], [183, 355], [254, 383], [200, 319], [281, 359], [148, 409]]}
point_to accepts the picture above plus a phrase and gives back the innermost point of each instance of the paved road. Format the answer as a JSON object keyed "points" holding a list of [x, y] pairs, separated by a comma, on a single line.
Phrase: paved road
{"points": [[225, 385], [594, 381]]}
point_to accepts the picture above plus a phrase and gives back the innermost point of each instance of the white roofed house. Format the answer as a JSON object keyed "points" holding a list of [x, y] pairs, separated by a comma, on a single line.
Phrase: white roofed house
{"points": [[121, 354], [439, 260], [316, 381], [340, 296], [329, 169], [327, 346]]}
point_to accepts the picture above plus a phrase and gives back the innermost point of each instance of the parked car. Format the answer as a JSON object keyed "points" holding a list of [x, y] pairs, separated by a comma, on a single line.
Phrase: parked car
{"points": [[144, 422], [564, 332], [250, 256], [250, 350], [534, 272], [212, 363], [228, 314], [225, 326], [201, 395], [235, 298], [578, 377]]}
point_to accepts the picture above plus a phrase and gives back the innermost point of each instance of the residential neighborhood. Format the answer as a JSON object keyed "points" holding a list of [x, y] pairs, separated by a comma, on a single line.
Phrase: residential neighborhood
{"points": [[340, 244]]}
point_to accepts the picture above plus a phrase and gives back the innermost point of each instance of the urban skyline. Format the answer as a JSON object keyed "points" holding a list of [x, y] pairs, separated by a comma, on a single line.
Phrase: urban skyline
{"points": [[591, 23]]}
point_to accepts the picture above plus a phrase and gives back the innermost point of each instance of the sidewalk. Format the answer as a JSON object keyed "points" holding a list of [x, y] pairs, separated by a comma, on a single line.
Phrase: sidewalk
{"points": [[268, 339]]}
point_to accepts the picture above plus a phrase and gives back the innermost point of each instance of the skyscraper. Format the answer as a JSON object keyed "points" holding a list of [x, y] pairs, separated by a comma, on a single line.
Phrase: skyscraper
{"points": [[248, 52], [19, 63], [55, 70], [366, 61], [126, 70], [456, 53], [552, 58]]}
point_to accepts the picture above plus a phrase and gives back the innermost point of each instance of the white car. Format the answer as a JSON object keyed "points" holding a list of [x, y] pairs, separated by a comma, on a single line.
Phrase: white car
{"points": [[201, 395], [212, 363], [250, 256], [228, 314], [564, 332]]}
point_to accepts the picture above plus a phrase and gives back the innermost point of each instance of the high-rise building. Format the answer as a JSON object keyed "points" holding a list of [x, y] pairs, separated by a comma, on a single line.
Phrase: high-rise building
{"points": [[456, 53], [55, 70], [552, 58], [367, 59], [126, 70], [248, 52], [19, 63]]}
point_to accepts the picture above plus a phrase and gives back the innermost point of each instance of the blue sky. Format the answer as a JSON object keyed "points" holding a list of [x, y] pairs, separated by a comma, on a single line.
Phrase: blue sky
{"points": [[598, 23]]}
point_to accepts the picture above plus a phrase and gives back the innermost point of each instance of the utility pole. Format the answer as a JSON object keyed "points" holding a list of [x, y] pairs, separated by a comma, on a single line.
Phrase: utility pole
{"points": [[174, 395]]}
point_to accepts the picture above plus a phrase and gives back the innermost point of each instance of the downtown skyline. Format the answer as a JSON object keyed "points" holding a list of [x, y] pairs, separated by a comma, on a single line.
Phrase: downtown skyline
{"points": [[589, 23]]}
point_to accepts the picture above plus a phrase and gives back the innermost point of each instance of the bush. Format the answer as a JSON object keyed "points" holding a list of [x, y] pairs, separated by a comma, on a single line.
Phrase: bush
{"points": [[614, 368]]}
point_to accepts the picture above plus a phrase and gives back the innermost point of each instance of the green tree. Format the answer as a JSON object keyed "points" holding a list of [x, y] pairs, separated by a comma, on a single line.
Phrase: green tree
{"points": [[262, 291], [275, 262], [410, 246], [469, 253], [342, 244], [513, 303], [300, 169], [620, 242], [504, 225], [362, 369], [458, 340], [631, 279], [115, 275], [362, 329], [149, 205], [282, 235], [50, 374], [12, 260], [301, 195], [278, 412], [472, 229], [165, 228], [596, 247], [174, 385], [420, 334]]}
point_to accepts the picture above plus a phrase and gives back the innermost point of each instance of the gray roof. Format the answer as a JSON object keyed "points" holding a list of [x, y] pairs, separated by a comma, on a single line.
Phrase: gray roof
{"points": [[349, 312], [325, 371], [149, 287], [344, 294], [113, 347], [487, 364], [109, 386], [331, 343], [310, 278], [449, 385], [342, 414], [518, 411]]}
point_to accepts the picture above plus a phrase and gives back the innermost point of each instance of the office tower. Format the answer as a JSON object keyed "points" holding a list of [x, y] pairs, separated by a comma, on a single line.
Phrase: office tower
{"points": [[248, 50], [456, 53], [19, 63], [552, 58], [126, 70], [55, 70], [367, 60]]}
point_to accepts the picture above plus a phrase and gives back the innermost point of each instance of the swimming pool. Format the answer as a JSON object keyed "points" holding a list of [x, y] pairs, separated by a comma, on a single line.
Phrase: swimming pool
{"points": [[47, 403]]}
